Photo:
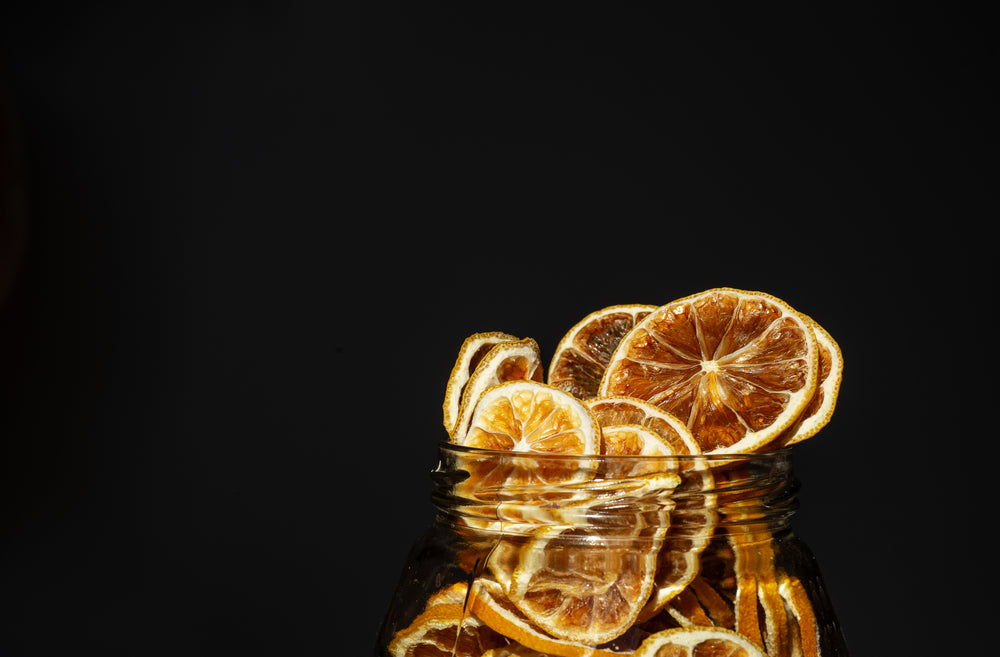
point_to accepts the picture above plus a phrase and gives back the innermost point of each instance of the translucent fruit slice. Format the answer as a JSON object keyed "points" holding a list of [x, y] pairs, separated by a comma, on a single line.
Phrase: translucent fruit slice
{"points": [[737, 367], [619, 411], [694, 518], [697, 642], [539, 425], [526, 416], [492, 606], [445, 630], [819, 410], [471, 352], [585, 585], [519, 360], [582, 355], [805, 630]]}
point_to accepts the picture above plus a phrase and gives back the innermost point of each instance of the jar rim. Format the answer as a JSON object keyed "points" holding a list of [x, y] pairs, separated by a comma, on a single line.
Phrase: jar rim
{"points": [[716, 457]]}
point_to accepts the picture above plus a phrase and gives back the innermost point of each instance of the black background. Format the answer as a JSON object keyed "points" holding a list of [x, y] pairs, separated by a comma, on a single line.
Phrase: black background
{"points": [[256, 236]]}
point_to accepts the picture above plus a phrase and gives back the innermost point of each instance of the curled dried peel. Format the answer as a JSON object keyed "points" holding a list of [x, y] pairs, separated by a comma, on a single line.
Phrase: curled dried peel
{"points": [[736, 367]]}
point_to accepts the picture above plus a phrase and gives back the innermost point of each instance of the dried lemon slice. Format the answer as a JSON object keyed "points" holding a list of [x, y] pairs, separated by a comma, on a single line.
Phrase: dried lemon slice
{"points": [[490, 604], [526, 416], [588, 581], [737, 367], [472, 351], [582, 355], [675, 438], [694, 518], [519, 360], [697, 642], [819, 410], [445, 630], [805, 630]]}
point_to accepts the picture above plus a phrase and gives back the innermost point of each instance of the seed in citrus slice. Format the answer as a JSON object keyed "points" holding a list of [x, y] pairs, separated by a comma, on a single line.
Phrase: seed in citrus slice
{"points": [[505, 361], [471, 352], [697, 642], [582, 355], [737, 367], [490, 604], [819, 410], [806, 634], [445, 630]]}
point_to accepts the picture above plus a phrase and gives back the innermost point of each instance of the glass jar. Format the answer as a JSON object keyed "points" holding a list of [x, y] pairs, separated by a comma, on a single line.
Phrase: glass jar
{"points": [[535, 554]]}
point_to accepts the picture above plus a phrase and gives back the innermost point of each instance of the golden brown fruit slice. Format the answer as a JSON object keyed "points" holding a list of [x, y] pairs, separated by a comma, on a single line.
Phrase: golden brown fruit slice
{"points": [[586, 584], [526, 416], [582, 355], [518, 360], [805, 630], [492, 606], [697, 642], [445, 630], [819, 410], [619, 411], [737, 367], [471, 352]]}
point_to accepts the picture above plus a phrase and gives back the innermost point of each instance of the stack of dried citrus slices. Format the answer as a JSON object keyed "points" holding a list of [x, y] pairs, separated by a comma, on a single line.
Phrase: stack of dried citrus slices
{"points": [[722, 372]]}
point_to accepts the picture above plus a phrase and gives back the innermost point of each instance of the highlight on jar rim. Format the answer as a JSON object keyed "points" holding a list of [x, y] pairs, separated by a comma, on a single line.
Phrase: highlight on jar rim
{"points": [[724, 372]]}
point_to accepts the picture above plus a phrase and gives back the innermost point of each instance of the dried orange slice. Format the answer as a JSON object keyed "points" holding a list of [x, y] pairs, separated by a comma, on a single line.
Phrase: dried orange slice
{"points": [[694, 518], [819, 410], [519, 360], [805, 630], [737, 367], [582, 355], [490, 604], [526, 416], [586, 584], [675, 438], [473, 349], [697, 642], [445, 630]]}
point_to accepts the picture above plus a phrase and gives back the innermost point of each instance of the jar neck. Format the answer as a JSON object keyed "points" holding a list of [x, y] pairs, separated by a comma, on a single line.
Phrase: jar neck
{"points": [[750, 496]]}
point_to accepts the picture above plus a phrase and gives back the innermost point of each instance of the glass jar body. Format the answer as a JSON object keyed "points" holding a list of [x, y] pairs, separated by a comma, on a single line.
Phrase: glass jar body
{"points": [[542, 555]]}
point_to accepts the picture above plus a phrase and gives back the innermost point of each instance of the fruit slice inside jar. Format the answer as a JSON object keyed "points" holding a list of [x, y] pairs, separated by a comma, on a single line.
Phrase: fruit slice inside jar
{"points": [[697, 642], [736, 367]]}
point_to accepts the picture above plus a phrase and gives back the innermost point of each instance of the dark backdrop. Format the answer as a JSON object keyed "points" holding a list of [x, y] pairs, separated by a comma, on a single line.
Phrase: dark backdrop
{"points": [[256, 234]]}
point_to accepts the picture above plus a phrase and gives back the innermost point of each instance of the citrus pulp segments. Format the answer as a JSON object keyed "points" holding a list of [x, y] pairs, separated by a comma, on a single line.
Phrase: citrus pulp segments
{"points": [[583, 352], [585, 585], [819, 410], [445, 630], [506, 361], [612, 411], [526, 416], [698, 642], [469, 354], [737, 367], [490, 604]]}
